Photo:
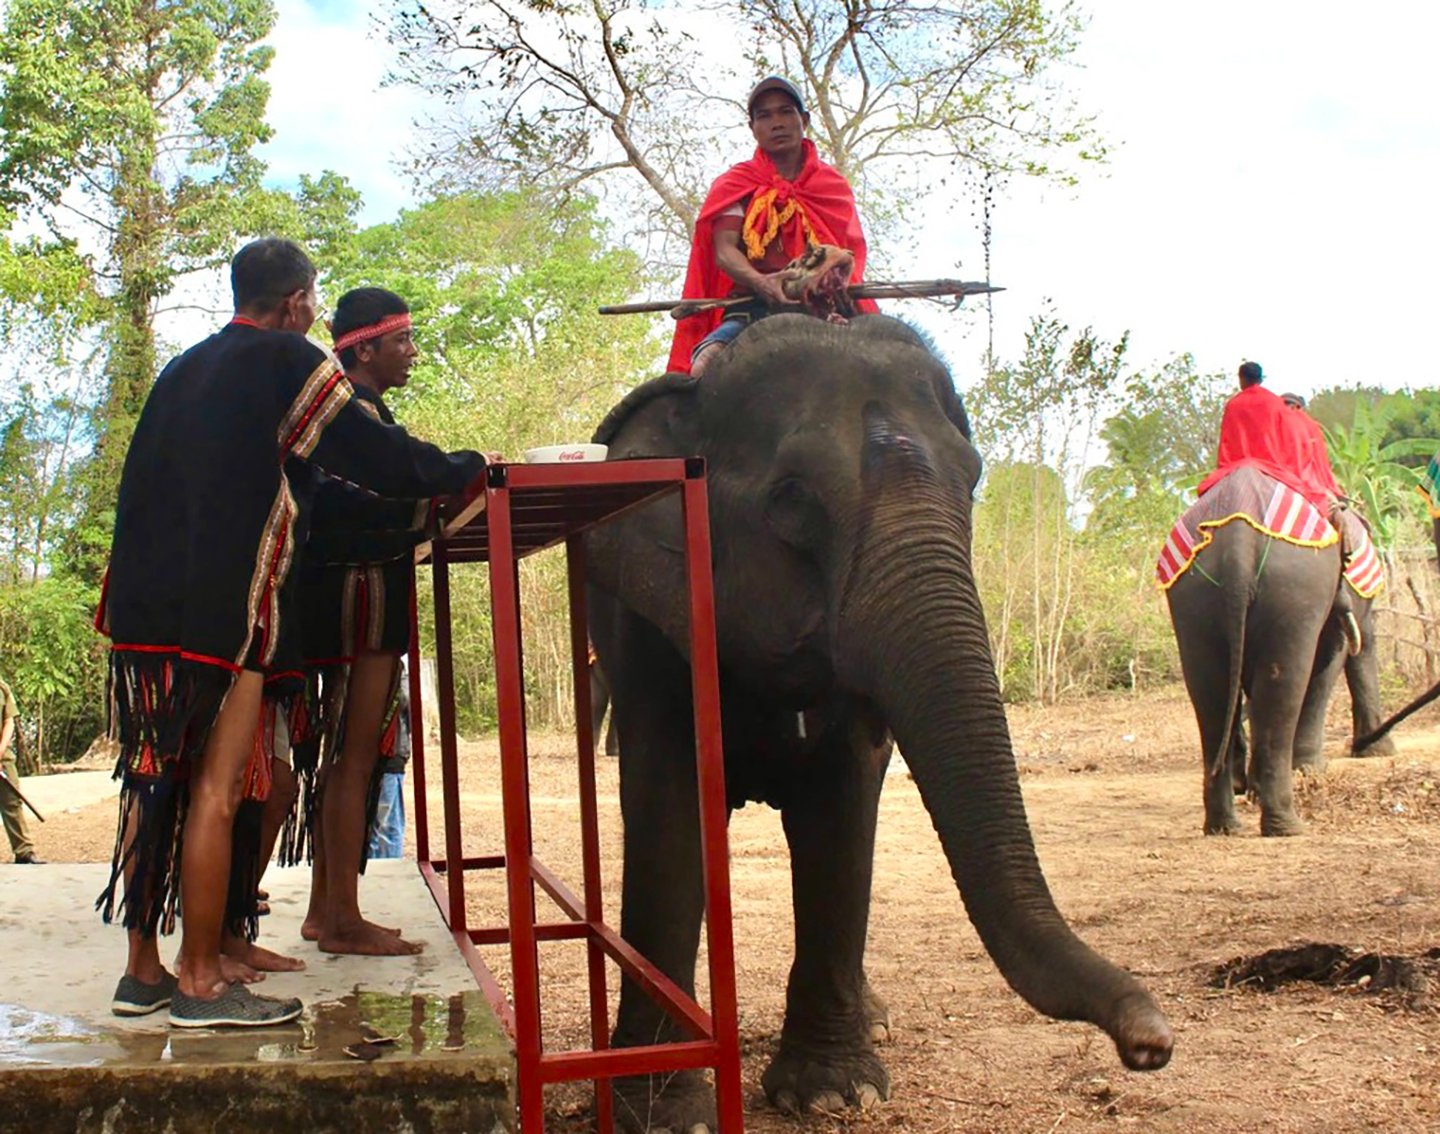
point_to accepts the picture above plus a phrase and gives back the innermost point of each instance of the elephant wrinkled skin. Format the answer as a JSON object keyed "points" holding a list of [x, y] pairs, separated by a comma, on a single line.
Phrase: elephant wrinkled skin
{"points": [[841, 477], [1256, 617]]}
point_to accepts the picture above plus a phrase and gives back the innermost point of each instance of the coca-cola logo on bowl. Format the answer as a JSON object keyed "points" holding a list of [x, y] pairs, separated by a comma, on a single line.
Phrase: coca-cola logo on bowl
{"points": [[573, 455]]}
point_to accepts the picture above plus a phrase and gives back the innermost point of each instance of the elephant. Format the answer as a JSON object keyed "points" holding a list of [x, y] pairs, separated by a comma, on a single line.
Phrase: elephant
{"points": [[599, 703], [841, 477], [1259, 618]]}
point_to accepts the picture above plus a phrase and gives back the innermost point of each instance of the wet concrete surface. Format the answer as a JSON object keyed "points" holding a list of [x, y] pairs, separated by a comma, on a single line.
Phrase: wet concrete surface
{"points": [[67, 1063]]}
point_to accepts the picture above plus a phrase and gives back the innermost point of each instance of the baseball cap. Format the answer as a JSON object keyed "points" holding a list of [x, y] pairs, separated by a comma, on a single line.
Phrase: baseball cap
{"points": [[775, 83]]}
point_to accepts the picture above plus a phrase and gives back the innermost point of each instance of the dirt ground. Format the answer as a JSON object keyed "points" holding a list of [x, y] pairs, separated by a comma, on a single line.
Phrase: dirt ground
{"points": [[1113, 791]]}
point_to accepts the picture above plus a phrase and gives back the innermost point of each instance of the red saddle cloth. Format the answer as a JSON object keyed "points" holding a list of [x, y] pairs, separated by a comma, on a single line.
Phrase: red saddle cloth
{"points": [[1273, 509]]}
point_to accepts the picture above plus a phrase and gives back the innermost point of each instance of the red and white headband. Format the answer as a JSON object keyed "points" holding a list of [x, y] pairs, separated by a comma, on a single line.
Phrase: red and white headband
{"points": [[373, 331]]}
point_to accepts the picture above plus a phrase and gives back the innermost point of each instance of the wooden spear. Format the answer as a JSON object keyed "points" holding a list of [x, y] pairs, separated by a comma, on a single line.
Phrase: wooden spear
{"points": [[906, 289]]}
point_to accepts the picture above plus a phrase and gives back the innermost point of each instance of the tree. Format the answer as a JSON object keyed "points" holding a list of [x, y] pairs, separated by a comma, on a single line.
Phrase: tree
{"points": [[127, 126], [513, 354], [564, 95], [1159, 446], [1041, 415]]}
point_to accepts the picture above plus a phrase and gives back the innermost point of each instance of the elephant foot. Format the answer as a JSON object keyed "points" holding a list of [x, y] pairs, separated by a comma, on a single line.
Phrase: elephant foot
{"points": [[1280, 826], [1222, 822], [1382, 747], [680, 1103], [1312, 762], [800, 1081]]}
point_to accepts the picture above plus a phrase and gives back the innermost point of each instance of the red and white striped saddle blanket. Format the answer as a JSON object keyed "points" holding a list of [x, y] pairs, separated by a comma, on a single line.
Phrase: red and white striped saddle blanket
{"points": [[1275, 510]]}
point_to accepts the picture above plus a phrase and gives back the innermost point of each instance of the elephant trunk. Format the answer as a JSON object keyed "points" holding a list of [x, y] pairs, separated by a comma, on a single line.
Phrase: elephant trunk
{"points": [[916, 632]]}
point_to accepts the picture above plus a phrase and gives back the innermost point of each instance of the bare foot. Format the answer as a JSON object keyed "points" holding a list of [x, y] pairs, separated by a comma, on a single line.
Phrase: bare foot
{"points": [[267, 960], [312, 929], [231, 970], [367, 940]]}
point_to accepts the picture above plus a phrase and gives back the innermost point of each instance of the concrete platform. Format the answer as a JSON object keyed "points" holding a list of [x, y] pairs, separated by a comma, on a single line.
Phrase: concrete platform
{"points": [[67, 1064]]}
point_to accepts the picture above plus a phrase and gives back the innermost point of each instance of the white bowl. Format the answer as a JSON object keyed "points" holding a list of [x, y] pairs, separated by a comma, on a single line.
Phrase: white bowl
{"points": [[565, 454]]}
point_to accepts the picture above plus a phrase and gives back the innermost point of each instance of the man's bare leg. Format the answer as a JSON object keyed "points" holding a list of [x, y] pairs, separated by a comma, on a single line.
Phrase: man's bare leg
{"points": [[143, 961], [704, 357], [342, 929], [283, 789], [209, 830]]}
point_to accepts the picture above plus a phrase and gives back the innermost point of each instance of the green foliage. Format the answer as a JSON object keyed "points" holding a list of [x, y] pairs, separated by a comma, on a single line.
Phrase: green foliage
{"points": [[1036, 422], [1159, 445], [54, 661], [127, 126], [502, 290], [1368, 467]]}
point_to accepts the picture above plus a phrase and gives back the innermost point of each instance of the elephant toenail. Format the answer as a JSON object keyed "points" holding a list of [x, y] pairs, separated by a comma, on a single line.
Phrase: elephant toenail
{"points": [[699, 1128], [787, 1102], [867, 1095], [879, 1033], [827, 1102]]}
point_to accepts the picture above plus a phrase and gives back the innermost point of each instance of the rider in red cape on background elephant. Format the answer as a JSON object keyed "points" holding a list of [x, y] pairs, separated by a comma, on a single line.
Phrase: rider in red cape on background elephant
{"points": [[1272, 609]]}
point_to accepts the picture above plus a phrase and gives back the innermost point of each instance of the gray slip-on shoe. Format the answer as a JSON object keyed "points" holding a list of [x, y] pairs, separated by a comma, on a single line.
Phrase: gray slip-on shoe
{"points": [[236, 1007], [133, 997]]}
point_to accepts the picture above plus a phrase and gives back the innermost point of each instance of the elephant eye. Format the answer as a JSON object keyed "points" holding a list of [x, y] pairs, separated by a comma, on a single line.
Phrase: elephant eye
{"points": [[793, 513]]}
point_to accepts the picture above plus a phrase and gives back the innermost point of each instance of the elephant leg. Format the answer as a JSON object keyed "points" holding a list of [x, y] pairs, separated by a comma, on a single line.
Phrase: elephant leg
{"points": [[1276, 696], [1330, 657], [1362, 675], [1203, 663], [826, 1057], [1240, 751], [599, 702], [662, 896]]}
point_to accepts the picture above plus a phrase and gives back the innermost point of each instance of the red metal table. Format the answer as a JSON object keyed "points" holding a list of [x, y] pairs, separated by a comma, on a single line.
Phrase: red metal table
{"points": [[514, 511]]}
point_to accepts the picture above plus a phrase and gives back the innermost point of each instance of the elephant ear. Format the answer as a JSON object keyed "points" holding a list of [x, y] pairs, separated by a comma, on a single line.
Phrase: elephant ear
{"points": [[637, 404], [886, 327], [641, 554]]}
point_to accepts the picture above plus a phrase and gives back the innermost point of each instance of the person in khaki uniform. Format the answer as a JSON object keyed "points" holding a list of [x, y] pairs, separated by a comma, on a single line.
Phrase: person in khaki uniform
{"points": [[10, 805]]}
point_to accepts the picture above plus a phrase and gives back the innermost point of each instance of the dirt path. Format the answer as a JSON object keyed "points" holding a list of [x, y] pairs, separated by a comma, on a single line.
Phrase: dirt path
{"points": [[1117, 825]]}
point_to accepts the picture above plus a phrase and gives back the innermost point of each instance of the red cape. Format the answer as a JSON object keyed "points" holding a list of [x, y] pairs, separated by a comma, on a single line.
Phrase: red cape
{"points": [[1261, 431], [1318, 472], [819, 191]]}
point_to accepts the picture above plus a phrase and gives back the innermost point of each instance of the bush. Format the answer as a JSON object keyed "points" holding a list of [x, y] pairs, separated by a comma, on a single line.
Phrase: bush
{"points": [[53, 659]]}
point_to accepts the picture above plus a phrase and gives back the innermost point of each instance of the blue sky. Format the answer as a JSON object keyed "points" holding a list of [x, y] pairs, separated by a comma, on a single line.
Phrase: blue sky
{"points": [[1270, 191]]}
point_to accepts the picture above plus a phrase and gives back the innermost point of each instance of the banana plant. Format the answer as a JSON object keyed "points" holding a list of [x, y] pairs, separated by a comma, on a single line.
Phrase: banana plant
{"points": [[1371, 472]]}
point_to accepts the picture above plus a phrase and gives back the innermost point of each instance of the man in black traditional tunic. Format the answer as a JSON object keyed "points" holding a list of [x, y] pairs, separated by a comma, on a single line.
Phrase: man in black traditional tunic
{"points": [[196, 607], [355, 602]]}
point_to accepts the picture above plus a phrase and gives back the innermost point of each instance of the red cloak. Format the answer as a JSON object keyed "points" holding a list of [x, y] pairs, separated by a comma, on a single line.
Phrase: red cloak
{"points": [[1318, 471], [818, 204], [1260, 430]]}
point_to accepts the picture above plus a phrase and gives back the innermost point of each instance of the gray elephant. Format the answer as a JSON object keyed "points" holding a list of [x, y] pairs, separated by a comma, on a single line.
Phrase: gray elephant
{"points": [[841, 477], [1257, 617], [599, 704]]}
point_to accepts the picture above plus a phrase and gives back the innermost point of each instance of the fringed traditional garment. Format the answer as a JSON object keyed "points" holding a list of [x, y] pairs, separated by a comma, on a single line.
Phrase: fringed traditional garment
{"points": [[356, 581], [206, 533]]}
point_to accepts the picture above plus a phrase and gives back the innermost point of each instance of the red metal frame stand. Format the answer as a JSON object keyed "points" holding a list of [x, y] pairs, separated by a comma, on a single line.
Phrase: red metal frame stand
{"points": [[521, 509]]}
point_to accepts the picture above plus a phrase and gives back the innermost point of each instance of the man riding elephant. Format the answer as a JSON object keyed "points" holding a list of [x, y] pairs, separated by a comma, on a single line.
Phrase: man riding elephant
{"points": [[758, 217], [1266, 610]]}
